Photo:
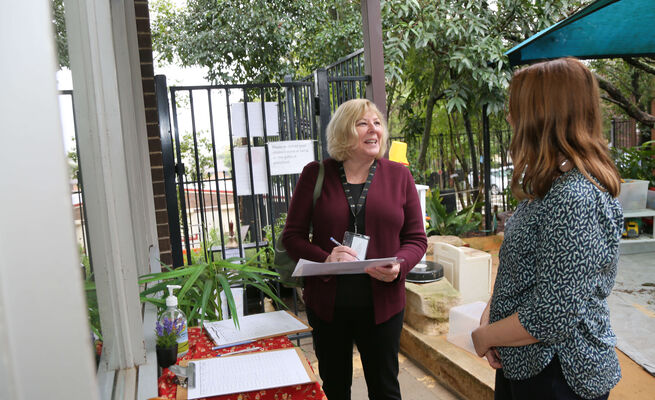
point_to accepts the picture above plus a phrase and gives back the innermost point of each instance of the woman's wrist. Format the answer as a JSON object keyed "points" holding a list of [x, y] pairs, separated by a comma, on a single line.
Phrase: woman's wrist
{"points": [[480, 337]]}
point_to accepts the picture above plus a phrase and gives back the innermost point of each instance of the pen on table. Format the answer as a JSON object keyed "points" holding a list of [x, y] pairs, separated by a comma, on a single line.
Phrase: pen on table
{"points": [[240, 351], [232, 344]]}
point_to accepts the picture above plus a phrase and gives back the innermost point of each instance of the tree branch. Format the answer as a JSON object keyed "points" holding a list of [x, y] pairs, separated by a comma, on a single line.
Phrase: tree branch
{"points": [[619, 99], [611, 100], [637, 63]]}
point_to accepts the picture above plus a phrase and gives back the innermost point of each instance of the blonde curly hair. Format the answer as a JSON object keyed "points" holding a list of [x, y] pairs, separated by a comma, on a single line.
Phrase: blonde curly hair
{"points": [[342, 134]]}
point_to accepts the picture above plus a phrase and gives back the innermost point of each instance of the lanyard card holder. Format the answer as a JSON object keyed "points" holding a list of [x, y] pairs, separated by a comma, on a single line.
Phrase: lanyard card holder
{"points": [[357, 242]]}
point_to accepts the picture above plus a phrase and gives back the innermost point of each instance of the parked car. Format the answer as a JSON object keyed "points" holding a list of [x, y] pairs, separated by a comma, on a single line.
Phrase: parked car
{"points": [[499, 178]]}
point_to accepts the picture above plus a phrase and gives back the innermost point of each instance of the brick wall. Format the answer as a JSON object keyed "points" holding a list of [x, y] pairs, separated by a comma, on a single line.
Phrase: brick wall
{"points": [[154, 142]]}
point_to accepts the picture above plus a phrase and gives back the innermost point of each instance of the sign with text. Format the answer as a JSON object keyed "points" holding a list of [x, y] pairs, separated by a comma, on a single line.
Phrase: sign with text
{"points": [[289, 157]]}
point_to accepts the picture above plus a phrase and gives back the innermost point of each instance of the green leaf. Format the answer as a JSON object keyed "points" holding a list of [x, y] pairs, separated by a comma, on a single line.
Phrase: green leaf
{"points": [[199, 269], [229, 298], [206, 292]]}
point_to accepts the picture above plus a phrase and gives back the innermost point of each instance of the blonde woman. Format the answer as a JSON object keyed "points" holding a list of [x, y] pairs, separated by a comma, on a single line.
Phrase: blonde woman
{"points": [[547, 327], [364, 194]]}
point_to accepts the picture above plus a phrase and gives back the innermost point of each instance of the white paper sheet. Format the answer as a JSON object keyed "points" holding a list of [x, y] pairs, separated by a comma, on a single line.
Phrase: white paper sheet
{"points": [[255, 125], [242, 165], [244, 373], [311, 268], [253, 326], [290, 156]]}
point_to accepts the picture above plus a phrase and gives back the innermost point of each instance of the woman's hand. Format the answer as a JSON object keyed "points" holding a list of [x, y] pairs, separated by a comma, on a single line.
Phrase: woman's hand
{"points": [[492, 356], [342, 253], [478, 337], [386, 273]]}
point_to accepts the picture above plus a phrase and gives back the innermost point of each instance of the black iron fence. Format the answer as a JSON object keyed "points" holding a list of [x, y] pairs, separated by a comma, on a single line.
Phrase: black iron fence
{"points": [[449, 167], [347, 79], [623, 133], [223, 183], [223, 194]]}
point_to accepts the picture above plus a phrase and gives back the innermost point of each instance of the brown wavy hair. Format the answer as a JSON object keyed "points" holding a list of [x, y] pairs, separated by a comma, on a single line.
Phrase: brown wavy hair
{"points": [[554, 110]]}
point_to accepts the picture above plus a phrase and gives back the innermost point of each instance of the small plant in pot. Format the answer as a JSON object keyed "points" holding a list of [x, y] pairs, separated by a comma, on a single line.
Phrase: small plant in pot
{"points": [[167, 341]]}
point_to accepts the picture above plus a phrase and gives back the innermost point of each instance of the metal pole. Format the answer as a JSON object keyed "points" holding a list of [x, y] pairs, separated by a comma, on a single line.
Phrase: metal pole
{"points": [[168, 160], [487, 169], [324, 113], [374, 53]]}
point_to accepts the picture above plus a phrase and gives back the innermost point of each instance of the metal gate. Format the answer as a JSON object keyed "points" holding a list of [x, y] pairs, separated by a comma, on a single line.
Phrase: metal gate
{"points": [[221, 197]]}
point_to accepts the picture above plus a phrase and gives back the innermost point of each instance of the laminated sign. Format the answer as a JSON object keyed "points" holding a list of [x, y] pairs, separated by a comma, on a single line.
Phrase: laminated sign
{"points": [[290, 157]]}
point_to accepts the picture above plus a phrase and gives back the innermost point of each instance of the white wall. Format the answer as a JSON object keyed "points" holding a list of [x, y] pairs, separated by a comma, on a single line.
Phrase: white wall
{"points": [[44, 334]]}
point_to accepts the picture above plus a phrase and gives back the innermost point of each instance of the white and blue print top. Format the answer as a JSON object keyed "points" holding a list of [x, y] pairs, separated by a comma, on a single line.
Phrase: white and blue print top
{"points": [[557, 266]]}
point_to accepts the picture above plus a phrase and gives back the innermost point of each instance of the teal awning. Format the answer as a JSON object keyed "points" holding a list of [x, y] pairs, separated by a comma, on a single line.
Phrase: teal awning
{"points": [[604, 29]]}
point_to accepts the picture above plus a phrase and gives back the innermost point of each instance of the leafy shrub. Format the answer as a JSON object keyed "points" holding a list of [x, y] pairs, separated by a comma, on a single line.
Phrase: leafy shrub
{"points": [[636, 162], [455, 223]]}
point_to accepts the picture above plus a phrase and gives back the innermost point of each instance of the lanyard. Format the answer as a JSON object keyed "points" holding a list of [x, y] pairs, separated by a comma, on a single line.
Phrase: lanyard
{"points": [[356, 208]]}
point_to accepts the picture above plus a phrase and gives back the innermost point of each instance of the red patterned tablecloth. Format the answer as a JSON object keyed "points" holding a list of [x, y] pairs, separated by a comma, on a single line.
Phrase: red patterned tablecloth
{"points": [[200, 346]]}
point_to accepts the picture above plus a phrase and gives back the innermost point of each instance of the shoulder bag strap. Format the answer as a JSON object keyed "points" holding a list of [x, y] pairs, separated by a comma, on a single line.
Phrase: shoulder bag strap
{"points": [[319, 183]]}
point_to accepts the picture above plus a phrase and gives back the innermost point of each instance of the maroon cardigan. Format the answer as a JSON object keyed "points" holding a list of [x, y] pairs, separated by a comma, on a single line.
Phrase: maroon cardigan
{"points": [[393, 221]]}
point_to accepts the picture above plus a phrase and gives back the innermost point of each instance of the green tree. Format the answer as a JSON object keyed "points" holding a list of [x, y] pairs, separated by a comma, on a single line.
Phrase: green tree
{"points": [[255, 40], [201, 148], [61, 40], [629, 85], [443, 55]]}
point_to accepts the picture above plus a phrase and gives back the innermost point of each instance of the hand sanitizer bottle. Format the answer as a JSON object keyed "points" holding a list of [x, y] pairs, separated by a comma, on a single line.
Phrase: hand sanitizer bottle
{"points": [[178, 318]]}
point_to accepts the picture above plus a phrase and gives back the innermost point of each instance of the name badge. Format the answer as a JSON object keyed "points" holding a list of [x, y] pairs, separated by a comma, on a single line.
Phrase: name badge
{"points": [[357, 242]]}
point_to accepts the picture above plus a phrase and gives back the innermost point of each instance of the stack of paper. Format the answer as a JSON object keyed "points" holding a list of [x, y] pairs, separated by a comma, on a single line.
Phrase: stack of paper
{"points": [[245, 373], [255, 326]]}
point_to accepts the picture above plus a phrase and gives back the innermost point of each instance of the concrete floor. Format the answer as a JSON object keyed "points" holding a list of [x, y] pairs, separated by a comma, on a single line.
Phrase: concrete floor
{"points": [[415, 383]]}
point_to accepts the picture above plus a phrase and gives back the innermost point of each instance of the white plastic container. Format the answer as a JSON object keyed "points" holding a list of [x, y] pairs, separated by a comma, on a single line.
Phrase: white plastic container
{"points": [[633, 194], [462, 321], [467, 269], [650, 199]]}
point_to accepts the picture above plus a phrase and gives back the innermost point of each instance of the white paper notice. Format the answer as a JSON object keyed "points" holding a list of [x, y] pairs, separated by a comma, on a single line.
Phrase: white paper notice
{"points": [[253, 326], [244, 373], [290, 157], [255, 125], [242, 165], [311, 268]]}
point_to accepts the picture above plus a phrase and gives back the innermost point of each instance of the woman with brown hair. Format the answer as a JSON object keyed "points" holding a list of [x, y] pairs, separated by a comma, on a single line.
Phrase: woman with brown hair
{"points": [[547, 328]]}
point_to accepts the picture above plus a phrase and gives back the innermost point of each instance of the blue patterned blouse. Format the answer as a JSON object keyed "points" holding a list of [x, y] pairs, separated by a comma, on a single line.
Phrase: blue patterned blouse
{"points": [[557, 266]]}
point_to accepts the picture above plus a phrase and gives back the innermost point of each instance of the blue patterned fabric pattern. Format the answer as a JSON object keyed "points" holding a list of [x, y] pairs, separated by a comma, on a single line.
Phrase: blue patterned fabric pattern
{"points": [[557, 266]]}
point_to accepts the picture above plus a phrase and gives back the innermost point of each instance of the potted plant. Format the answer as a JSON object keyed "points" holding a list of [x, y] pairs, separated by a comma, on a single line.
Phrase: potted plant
{"points": [[636, 162], [202, 283], [167, 341], [636, 166]]}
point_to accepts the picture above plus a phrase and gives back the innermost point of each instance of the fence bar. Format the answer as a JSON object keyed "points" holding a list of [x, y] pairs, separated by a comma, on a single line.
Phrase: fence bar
{"points": [[324, 112], [486, 137]]}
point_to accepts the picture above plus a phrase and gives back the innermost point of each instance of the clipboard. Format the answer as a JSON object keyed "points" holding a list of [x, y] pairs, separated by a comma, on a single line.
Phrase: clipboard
{"points": [[182, 392], [312, 268], [266, 331]]}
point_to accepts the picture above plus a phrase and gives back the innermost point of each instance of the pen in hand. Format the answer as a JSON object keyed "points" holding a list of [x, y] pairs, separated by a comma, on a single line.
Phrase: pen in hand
{"points": [[335, 241]]}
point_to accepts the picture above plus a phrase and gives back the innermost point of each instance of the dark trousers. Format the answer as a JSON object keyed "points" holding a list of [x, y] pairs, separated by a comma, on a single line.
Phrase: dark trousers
{"points": [[549, 384], [378, 346]]}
